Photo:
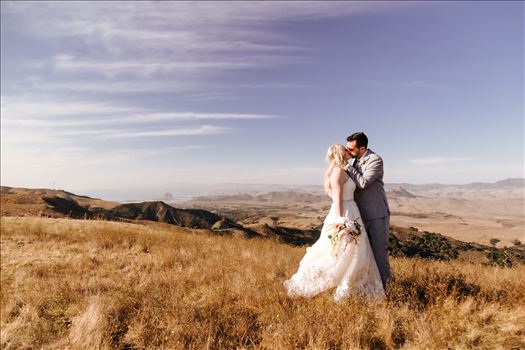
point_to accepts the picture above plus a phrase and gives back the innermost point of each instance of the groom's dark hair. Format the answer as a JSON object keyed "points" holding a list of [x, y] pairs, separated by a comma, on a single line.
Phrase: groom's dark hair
{"points": [[360, 139]]}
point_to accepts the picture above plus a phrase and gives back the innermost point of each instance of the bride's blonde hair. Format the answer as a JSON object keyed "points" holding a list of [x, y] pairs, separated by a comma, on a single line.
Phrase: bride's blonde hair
{"points": [[334, 156]]}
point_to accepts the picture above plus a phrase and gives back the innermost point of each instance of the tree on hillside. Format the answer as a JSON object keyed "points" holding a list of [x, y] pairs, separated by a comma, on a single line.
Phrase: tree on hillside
{"points": [[499, 257], [494, 241]]}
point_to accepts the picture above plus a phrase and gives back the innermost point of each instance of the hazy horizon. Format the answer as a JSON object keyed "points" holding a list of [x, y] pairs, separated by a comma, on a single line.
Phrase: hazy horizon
{"points": [[116, 96], [184, 191]]}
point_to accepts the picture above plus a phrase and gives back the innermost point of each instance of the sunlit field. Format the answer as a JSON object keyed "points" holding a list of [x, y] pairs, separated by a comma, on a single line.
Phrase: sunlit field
{"points": [[104, 285]]}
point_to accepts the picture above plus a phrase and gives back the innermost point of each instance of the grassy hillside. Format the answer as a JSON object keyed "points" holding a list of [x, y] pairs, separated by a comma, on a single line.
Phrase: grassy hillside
{"points": [[94, 284], [16, 201]]}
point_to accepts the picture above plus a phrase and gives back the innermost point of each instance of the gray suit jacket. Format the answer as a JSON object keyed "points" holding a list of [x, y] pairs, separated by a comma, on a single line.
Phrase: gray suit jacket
{"points": [[370, 193]]}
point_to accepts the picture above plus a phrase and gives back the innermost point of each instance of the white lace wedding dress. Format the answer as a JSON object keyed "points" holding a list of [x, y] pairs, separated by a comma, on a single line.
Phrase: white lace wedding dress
{"points": [[353, 271]]}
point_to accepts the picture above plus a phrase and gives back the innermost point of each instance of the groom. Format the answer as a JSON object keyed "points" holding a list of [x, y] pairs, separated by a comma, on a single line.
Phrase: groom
{"points": [[367, 173]]}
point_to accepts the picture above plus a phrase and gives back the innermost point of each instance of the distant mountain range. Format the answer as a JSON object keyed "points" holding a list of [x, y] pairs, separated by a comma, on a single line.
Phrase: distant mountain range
{"points": [[60, 204], [185, 191], [411, 242], [515, 183], [393, 190], [273, 197]]}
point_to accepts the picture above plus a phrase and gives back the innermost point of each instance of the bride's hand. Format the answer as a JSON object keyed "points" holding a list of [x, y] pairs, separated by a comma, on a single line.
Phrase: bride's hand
{"points": [[340, 220]]}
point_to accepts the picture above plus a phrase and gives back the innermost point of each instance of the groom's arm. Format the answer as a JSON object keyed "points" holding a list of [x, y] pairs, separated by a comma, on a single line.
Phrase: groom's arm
{"points": [[372, 171]]}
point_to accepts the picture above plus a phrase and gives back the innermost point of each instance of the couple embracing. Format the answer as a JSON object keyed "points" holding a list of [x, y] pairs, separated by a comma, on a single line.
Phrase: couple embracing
{"points": [[351, 254]]}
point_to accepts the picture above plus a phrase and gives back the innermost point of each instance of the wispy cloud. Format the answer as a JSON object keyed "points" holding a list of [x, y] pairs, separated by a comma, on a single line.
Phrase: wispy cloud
{"points": [[165, 46], [37, 136], [93, 88], [53, 160], [202, 130], [115, 133], [407, 84], [32, 107], [49, 115], [193, 88], [124, 86], [73, 18], [439, 160], [144, 68]]}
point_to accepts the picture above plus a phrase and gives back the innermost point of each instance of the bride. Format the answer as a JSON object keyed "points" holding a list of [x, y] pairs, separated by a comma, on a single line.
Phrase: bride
{"points": [[346, 264]]}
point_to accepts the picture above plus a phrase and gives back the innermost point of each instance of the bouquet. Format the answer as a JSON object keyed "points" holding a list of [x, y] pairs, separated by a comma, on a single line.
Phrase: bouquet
{"points": [[344, 229]]}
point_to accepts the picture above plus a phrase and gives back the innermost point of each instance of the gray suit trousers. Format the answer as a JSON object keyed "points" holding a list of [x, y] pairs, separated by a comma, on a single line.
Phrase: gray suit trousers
{"points": [[378, 233]]}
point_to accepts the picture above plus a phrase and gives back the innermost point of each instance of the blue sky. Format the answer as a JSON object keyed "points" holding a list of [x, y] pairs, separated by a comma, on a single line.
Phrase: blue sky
{"points": [[119, 95]]}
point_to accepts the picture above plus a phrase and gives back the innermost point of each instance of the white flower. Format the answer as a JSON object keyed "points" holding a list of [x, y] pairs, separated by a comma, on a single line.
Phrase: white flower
{"points": [[346, 230], [364, 160]]}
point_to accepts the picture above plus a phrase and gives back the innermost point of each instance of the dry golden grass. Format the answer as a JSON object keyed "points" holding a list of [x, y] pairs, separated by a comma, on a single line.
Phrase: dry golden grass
{"points": [[88, 284]]}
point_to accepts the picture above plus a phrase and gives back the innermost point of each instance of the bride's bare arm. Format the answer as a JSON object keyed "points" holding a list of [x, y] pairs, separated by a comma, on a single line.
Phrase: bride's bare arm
{"points": [[337, 181]]}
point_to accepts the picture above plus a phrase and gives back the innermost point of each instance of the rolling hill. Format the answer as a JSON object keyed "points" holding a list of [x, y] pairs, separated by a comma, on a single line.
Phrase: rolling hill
{"points": [[475, 212], [407, 242]]}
